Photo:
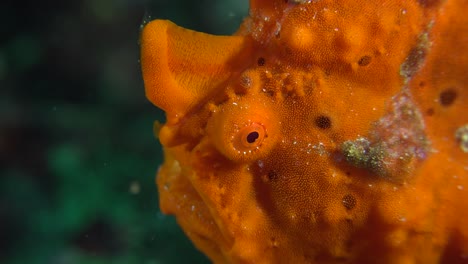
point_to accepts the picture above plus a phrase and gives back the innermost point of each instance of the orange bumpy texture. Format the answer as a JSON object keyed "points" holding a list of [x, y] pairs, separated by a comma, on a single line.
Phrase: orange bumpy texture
{"points": [[323, 131]]}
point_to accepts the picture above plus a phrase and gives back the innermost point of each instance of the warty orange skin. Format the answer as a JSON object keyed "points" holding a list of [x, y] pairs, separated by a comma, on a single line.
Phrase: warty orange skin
{"points": [[321, 132]]}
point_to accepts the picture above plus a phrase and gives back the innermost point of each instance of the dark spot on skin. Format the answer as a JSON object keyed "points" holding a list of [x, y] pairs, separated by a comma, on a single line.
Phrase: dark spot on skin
{"points": [[348, 173], [447, 97], [422, 84], [252, 137], [270, 93], [261, 61], [430, 112], [272, 175], [323, 122], [365, 60], [349, 201]]}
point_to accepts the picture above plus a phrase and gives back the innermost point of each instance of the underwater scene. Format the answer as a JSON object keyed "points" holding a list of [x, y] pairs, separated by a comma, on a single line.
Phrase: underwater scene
{"points": [[322, 131], [78, 156]]}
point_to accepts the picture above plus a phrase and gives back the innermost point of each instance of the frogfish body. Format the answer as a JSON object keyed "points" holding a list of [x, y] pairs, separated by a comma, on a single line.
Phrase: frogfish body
{"points": [[323, 131]]}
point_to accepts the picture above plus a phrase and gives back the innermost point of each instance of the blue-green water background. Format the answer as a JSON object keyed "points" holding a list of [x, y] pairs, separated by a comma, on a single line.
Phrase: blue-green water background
{"points": [[77, 154]]}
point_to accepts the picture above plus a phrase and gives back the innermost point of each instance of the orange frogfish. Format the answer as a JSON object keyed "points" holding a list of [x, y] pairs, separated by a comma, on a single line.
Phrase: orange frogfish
{"points": [[322, 131]]}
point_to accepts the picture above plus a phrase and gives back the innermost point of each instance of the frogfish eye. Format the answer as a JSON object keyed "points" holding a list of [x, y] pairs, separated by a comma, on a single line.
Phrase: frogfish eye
{"points": [[250, 137], [244, 131]]}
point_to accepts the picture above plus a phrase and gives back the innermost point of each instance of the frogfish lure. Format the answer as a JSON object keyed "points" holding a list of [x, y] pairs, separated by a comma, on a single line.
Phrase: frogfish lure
{"points": [[322, 131]]}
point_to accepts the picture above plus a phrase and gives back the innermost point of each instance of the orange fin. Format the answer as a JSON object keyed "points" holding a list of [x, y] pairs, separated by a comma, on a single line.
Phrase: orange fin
{"points": [[181, 67]]}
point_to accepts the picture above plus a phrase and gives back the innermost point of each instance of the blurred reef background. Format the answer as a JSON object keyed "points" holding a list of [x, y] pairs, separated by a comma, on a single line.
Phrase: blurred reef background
{"points": [[77, 153]]}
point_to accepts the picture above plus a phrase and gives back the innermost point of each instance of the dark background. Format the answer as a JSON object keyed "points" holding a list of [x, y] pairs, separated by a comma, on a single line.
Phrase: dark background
{"points": [[77, 153]]}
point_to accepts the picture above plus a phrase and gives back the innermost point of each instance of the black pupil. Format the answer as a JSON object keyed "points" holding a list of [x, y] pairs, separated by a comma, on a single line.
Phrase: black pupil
{"points": [[252, 136]]}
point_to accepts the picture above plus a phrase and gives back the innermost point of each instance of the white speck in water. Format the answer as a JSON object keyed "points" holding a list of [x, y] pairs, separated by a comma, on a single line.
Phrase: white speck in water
{"points": [[134, 187], [460, 187]]}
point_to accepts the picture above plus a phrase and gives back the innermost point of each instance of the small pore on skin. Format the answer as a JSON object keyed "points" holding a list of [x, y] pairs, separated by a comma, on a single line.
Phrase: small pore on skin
{"points": [[272, 175], [461, 135], [364, 60], [261, 61]]}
